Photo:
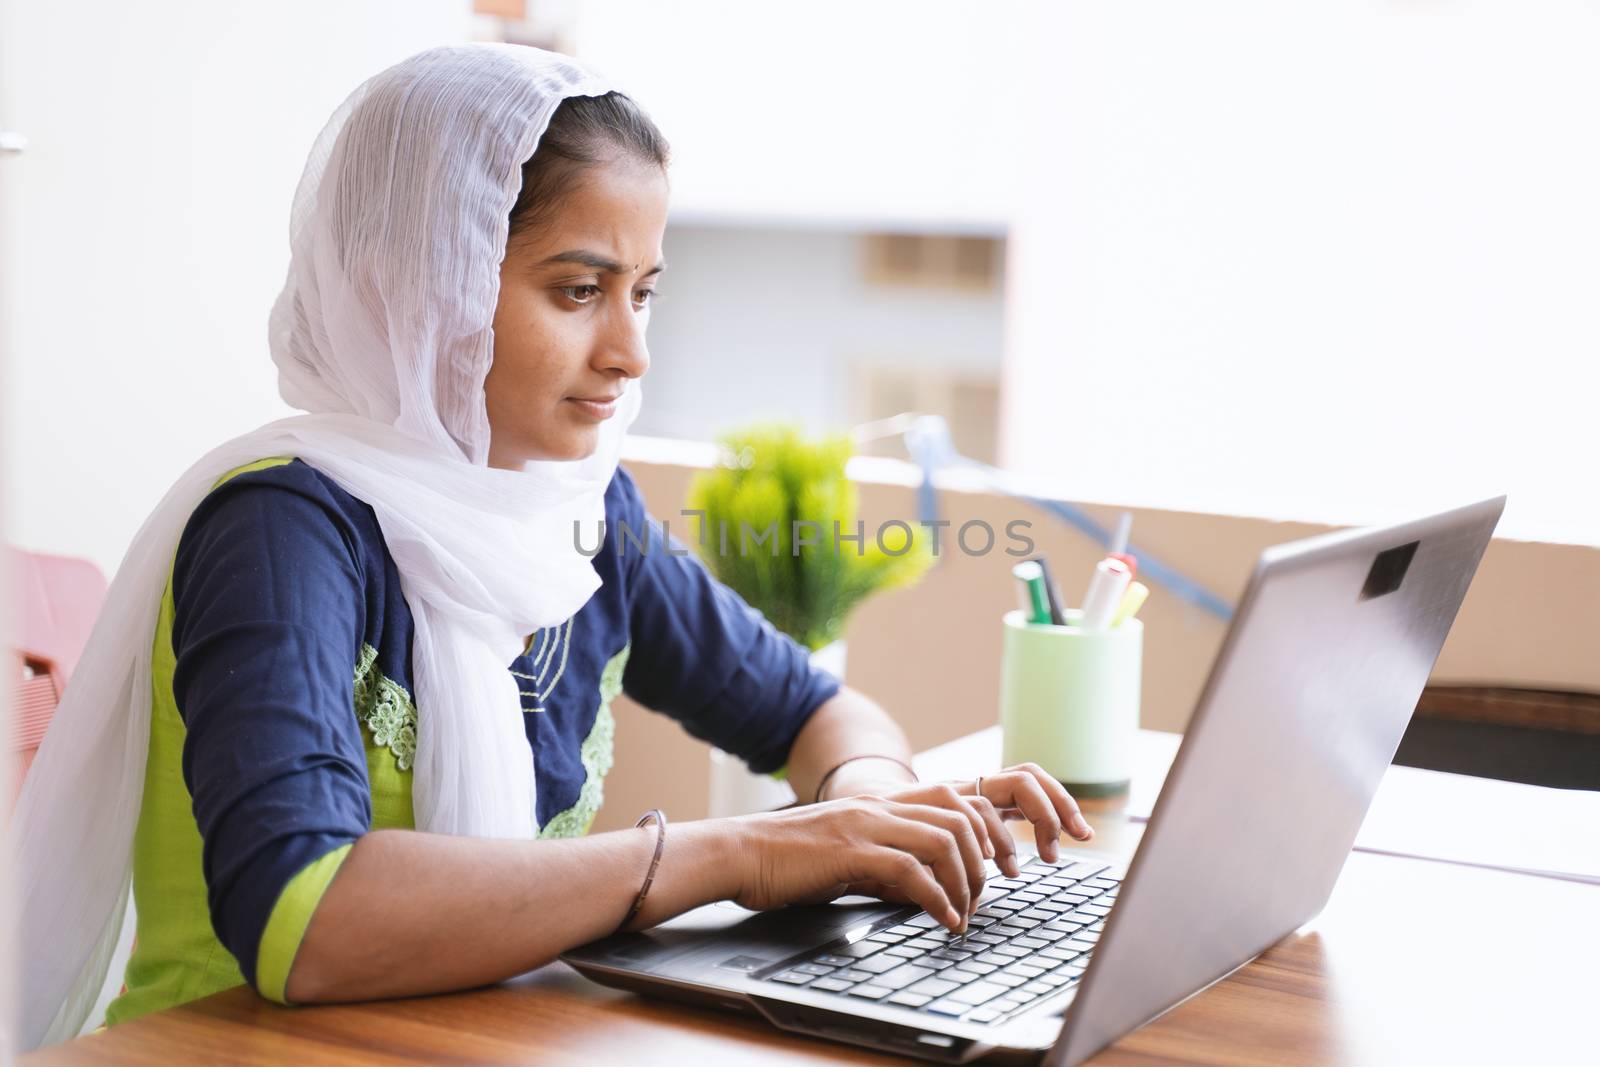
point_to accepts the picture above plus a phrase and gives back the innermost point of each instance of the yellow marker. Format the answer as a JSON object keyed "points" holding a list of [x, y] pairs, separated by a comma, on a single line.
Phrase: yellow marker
{"points": [[1132, 601]]}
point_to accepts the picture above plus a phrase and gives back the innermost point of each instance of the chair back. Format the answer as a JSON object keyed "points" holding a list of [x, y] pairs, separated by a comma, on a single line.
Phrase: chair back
{"points": [[57, 600]]}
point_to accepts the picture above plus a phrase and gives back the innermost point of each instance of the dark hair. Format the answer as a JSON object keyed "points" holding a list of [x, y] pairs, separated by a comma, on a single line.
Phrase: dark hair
{"points": [[583, 131]]}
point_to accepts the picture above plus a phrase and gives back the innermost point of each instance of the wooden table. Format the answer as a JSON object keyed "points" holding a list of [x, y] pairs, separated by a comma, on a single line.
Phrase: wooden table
{"points": [[1413, 961]]}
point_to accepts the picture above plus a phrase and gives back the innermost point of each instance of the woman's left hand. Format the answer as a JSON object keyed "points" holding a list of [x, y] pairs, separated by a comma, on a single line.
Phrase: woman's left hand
{"points": [[1021, 792]]}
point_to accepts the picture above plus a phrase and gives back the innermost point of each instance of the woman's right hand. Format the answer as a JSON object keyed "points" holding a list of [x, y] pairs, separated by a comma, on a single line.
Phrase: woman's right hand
{"points": [[917, 853]]}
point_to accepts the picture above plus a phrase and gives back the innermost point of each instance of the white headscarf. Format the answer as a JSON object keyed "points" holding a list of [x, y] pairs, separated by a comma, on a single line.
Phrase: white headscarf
{"points": [[383, 335]]}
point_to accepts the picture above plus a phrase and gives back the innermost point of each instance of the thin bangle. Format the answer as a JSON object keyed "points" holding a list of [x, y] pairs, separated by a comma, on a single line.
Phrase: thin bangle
{"points": [[835, 768], [655, 861]]}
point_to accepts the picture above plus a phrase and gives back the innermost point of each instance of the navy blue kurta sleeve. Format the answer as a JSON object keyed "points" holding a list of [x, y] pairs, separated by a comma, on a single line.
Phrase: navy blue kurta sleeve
{"points": [[704, 656], [268, 616]]}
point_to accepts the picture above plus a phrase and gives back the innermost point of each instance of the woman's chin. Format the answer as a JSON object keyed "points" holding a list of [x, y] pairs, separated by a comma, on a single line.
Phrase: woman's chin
{"points": [[573, 446]]}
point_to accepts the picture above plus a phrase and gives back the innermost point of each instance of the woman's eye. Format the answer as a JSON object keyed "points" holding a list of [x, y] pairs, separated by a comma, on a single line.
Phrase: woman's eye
{"points": [[645, 296], [581, 294]]}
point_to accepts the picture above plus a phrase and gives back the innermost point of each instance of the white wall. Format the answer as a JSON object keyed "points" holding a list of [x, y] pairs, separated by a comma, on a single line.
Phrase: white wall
{"points": [[895, 112], [145, 232], [1330, 262], [762, 323]]}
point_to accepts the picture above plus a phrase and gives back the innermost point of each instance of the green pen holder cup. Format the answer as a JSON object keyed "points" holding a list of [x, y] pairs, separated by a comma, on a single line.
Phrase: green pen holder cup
{"points": [[1069, 701]]}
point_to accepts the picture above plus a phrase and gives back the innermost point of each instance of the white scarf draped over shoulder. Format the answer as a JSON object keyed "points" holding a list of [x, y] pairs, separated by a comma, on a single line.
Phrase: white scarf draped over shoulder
{"points": [[382, 335]]}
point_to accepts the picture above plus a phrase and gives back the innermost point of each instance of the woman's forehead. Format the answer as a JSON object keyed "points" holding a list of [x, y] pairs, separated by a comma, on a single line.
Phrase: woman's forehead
{"points": [[611, 220]]}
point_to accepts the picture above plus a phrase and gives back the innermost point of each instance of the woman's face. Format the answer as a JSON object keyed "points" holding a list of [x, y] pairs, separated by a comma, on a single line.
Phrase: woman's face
{"points": [[574, 300]]}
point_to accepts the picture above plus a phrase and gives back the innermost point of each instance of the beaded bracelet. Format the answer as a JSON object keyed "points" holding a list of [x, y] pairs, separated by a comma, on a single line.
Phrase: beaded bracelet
{"points": [[655, 861], [835, 768]]}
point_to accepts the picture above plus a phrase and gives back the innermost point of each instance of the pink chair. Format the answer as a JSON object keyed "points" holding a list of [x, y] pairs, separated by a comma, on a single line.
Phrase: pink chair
{"points": [[58, 599]]}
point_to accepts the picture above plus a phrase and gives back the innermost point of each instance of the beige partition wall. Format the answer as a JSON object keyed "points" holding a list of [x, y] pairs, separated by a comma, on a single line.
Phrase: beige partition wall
{"points": [[930, 654]]}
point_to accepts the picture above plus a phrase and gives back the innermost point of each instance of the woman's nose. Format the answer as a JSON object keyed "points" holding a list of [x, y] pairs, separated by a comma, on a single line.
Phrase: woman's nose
{"points": [[623, 347]]}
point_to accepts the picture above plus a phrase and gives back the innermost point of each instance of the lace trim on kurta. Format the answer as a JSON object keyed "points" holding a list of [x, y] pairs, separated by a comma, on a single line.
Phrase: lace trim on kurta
{"points": [[596, 755], [385, 708]]}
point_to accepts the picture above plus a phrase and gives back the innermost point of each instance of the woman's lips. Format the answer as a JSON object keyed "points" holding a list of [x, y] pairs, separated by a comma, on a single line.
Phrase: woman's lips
{"points": [[598, 409]]}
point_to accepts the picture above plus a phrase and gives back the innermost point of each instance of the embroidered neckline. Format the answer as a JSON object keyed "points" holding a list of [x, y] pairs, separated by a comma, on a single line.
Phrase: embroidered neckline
{"points": [[543, 660]]}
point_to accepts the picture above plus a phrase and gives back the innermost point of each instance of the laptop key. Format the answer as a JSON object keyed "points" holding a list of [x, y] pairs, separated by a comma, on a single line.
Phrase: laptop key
{"points": [[947, 1007], [975, 967], [859, 950], [1029, 942], [956, 974], [982, 1015], [907, 929], [987, 939], [907, 999], [812, 968], [831, 985], [902, 976], [1009, 950], [880, 963], [925, 943], [1038, 987], [1087, 935], [977, 993], [1080, 944], [1010, 981], [924, 921], [793, 977], [1024, 970], [886, 938], [953, 955], [833, 961], [996, 958], [851, 975], [871, 992], [934, 987]]}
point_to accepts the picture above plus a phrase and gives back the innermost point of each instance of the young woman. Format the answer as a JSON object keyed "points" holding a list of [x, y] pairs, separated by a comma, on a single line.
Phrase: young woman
{"points": [[345, 720]]}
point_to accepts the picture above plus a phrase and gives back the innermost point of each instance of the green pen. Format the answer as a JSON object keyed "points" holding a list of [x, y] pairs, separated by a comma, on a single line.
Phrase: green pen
{"points": [[1035, 601]]}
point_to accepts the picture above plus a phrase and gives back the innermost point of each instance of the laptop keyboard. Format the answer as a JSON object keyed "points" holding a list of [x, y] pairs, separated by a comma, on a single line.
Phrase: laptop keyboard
{"points": [[1032, 936]]}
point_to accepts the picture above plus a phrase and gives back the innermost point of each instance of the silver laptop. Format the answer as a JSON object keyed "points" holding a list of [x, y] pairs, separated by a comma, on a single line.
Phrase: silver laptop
{"points": [[1328, 652]]}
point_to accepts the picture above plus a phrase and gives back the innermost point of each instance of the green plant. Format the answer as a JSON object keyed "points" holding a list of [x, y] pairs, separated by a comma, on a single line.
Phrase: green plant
{"points": [[779, 527]]}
